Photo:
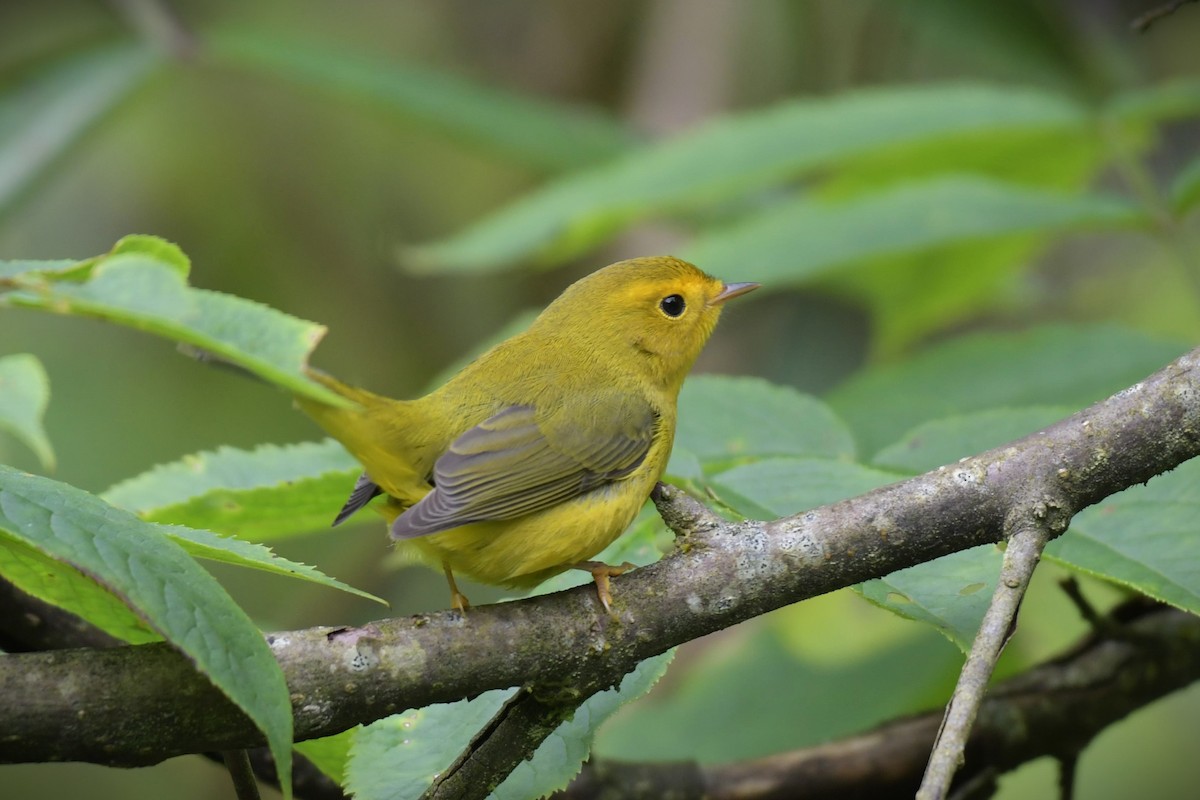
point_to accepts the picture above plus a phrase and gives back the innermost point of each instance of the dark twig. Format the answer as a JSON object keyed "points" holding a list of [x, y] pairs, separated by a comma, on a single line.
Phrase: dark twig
{"points": [[244, 784], [1143, 23]]}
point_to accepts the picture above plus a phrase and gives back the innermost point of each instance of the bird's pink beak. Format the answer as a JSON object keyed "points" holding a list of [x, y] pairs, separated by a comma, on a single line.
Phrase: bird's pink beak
{"points": [[733, 290]]}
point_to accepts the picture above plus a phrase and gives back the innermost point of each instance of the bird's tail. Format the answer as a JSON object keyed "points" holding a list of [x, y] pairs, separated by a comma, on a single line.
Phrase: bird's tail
{"points": [[375, 431]]}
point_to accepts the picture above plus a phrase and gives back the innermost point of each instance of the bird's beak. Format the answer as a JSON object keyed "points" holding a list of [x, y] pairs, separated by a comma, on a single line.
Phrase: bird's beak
{"points": [[733, 290]]}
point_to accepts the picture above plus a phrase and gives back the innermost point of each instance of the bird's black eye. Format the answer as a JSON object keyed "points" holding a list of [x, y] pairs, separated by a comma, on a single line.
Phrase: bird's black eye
{"points": [[672, 305]]}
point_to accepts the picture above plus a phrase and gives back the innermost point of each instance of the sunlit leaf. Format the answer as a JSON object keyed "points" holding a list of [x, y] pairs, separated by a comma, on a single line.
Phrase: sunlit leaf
{"points": [[24, 394], [155, 577]]}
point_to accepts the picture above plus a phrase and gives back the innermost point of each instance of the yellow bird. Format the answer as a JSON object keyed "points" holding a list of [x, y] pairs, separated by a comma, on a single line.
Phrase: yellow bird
{"points": [[540, 453]]}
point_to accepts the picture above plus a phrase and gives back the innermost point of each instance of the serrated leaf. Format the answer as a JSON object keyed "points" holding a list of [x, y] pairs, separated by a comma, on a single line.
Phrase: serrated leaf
{"points": [[24, 395], [61, 585], [398, 757], [950, 593], [142, 284], [163, 585], [1143, 537], [1060, 365], [270, 492], [799, 240], [944, 441], [732, 156], [724, 419], [783, 486], [540, 134], [1185, 189], [43, 115], [239, 553]]}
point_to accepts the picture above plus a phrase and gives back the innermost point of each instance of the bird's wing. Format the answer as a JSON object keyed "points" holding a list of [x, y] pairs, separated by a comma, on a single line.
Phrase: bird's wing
{"points": [[365, 490], [516, 463]]}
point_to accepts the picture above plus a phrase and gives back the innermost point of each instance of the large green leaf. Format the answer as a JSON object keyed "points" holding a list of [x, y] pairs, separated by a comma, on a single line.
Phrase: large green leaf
{"points": [[944, 441], [950, 593], [43, 115], [1144, 537], [806, 238], [266, 493], [734, 155], [398, 757], [24, 394], [724, 419], [543, 135], [1052, 365], [154, 576], [142, 283], [777, 487]]}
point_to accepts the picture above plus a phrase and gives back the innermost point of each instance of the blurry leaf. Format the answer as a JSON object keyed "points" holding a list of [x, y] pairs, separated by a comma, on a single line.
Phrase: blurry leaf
{"points": [[747, 695], [266, 493], [330, 753], [1059, 365], [43, 115], [734, 155], [1143, 537], [797, 241], [24, 394], [944, 441], [724, 418], [1185, 189], [228, 550], [518, 324], [142, 283], [950, 593], [784, 486], [1166, 101], [62, 585], [398, 757], [159, 581], [542, 134]]}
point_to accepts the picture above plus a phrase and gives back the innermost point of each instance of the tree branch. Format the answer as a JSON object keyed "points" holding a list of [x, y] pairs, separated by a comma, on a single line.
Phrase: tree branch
{"points": [[1054, 709], [140, 705]]}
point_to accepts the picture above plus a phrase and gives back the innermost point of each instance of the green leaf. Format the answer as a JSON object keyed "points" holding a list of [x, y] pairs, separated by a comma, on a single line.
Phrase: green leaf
{"points": [[1143, 537], [1059, 365], [157, 579], [950, 593], [777, 487], [806, 238], [142, 284], [732, 156], [755, 694], [1166, 101], [44, 114], [24, 394], [330, 754], [944, 441], [1185, 189], [724, 418], [228, 550], [398, 757], [62, 585], [270, 492], [543, 135]]}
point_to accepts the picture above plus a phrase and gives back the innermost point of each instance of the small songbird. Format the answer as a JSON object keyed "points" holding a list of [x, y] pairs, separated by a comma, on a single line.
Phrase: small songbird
{"points": [[539, 453]]}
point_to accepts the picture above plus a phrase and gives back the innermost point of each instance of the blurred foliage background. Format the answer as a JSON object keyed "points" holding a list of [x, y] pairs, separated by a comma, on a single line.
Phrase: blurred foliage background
{"points": [[307, 154]]}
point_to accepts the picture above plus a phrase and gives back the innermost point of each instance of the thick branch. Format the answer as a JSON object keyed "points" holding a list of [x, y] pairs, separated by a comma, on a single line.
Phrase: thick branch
{"points": [[1052, 710], [140, 705]]}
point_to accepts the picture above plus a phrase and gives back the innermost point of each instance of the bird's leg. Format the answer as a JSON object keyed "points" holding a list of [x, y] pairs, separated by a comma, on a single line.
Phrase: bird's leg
{"points": [[601, 572], [458, 600]]}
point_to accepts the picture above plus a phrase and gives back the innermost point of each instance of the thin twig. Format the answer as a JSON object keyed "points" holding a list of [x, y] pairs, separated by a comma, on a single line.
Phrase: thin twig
{"points": [[1020, 558], [244, 784], [1142, 24], [513, 735]]}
